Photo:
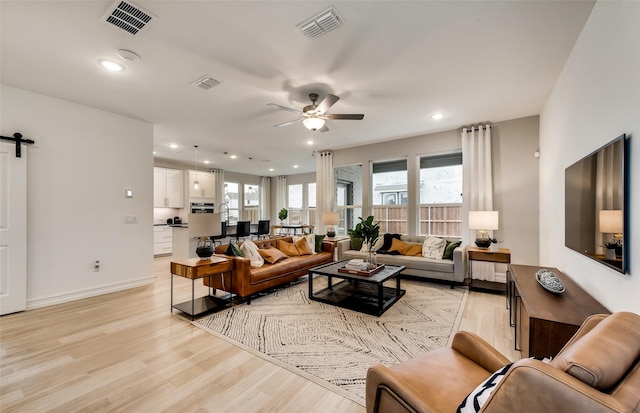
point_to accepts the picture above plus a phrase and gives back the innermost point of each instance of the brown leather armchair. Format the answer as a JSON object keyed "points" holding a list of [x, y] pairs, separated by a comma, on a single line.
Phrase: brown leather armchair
{"points": [[598, 370]]}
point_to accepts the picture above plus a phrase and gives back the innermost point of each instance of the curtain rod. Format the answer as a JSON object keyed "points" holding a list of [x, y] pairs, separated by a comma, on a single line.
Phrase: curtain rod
{"points": [[474, 129]]}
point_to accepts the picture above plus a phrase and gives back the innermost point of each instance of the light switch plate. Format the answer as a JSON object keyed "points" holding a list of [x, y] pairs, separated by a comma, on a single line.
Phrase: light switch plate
{"points": [[128, 193]]}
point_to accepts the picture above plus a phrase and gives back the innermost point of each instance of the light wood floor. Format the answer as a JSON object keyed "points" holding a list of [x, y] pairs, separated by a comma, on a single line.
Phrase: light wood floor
{"points": [[127, 352]]}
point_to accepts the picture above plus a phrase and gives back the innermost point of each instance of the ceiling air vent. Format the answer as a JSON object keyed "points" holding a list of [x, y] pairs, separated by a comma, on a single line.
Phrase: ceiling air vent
{"points": [[128, 17], [321, 23], [206, 82]]}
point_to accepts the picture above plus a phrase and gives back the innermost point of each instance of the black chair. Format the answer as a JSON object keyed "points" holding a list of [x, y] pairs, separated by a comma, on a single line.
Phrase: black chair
{"points": [[243, 229], [264, 226], [223, 234]]}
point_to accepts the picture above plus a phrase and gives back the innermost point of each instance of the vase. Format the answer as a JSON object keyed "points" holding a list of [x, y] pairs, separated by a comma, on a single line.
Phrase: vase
{"points": [[373, 259], [610, 253], [204, 249]]}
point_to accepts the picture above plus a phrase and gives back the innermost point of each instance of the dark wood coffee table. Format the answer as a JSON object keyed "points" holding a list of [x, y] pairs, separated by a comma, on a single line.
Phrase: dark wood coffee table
{"points": [[366, 294]]}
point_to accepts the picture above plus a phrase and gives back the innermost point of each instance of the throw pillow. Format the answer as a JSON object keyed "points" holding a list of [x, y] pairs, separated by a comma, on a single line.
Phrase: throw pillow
{"points": [[272, 255], [221, 249], [433, 247], [448, 251], [311, 241], [386, 244], [234, 251], [302, 246], [319, 241], [406, 248], [376, 245], [250, 250], [478, 397], [288, 248]]}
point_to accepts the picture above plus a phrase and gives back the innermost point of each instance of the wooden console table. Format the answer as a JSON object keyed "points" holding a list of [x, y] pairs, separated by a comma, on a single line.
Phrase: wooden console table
{"points": [[544, 321], [194, 268]]}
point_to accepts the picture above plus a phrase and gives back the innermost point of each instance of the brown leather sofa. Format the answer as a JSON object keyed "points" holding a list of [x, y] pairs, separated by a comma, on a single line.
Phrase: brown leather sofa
{"points": [[598, 370], [248, 281]]}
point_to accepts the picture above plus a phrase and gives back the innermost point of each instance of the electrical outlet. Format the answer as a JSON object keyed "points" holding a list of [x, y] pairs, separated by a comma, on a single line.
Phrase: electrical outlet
{"points": [[96, 266], [131, 220]]}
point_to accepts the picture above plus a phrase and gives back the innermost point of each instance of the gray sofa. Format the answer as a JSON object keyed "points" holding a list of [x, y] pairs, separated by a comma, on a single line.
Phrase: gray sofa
{"points": [[452, 271]]}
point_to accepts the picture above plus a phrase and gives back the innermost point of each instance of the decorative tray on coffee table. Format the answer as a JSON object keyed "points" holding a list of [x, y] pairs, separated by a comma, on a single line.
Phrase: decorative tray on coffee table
{"points": [[361, 272]]}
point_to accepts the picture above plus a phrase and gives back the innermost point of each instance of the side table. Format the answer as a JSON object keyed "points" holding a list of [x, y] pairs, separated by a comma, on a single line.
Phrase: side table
{"points": [[195, 268], [502, 256]]}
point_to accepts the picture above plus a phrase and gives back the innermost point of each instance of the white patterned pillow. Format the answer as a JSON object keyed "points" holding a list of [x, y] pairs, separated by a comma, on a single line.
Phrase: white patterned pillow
{"points": [[311, 241], [479, 396], [433, 247], [376, 245], [250, 250]]}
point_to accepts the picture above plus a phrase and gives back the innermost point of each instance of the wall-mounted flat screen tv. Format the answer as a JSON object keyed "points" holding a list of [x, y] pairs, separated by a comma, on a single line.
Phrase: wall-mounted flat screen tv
{"points": [[596, 205]]}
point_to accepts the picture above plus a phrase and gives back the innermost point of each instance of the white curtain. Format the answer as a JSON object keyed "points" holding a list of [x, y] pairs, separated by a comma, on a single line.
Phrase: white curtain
{"points": [[477, 187], [324, 187], [281, 194], [219, 181], [609, 194], [265, 197]]}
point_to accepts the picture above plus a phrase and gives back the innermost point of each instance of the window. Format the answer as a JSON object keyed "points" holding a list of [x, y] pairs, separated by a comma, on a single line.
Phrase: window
{"points": [[441, 195], [251, 208], [231, 197], [390, 199], [348, 196], [295, 204], [311, 203]]}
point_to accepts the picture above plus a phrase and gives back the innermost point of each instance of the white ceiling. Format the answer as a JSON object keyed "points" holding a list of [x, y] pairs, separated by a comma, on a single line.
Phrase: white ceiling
{"points": [[397, 62]]}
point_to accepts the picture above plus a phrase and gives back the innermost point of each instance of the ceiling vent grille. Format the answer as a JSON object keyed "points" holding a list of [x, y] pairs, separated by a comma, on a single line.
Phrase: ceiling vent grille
{"points": [[321, 23], [128, 17], [206, 82]]}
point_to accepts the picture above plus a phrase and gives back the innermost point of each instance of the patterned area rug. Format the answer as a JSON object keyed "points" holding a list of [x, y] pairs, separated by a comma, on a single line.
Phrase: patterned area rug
{"points": [[334, 347]]}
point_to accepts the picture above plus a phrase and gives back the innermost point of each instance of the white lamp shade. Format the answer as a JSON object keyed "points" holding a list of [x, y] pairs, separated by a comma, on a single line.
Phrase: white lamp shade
{"points": [[204, 225], [313, 123], [611, 221], [483, 220], [330, 218]]}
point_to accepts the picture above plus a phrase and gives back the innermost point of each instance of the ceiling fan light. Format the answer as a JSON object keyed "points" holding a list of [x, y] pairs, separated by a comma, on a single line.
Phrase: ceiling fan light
{"points": [[313, 123]]}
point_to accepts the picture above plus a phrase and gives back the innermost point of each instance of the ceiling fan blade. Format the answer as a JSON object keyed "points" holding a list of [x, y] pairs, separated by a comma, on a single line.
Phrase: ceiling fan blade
{"points": [[325, 128], [288, 123], [344, 116], [284, 108], [326, 103]]}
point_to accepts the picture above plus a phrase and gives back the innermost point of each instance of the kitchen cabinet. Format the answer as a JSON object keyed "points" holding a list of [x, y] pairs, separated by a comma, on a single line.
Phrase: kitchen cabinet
{"points": [[162, 240], [207, 187], [168, 188]]}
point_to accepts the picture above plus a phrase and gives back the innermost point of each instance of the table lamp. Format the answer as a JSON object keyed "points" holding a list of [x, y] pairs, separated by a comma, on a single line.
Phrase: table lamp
{"points": [[483, 221], [203, 226], [330, 219], [611, 223]]}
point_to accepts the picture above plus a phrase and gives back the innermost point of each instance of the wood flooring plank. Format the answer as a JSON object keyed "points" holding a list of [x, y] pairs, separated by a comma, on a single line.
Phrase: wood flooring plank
{"points": [[128, 352]]}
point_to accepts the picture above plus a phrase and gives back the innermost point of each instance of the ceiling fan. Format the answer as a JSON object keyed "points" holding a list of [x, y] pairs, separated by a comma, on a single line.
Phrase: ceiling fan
{"points": [[314, 116]]}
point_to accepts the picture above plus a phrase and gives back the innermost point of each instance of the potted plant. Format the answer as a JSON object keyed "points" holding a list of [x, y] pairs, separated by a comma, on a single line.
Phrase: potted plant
{"points": [[282, 215], [356, 237], [611, 249], [370, 232]]}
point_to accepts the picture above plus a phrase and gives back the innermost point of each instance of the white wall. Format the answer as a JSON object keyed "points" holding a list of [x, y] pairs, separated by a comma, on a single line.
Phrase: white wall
{"points": [[515, 176], [83, 160], [596, 98]]}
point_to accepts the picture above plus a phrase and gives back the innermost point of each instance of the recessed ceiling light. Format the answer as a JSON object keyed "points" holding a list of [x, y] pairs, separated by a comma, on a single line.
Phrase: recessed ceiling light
{"points": [[437, 116], [206, 162], [173, 146], [310, 142], [110, 65], [295, 166], [233, 156], [271, 169], [154, 152]]}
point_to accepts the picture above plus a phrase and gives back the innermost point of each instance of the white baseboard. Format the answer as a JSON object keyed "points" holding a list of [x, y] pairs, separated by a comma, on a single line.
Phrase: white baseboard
{"points": [[33, 303]]}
